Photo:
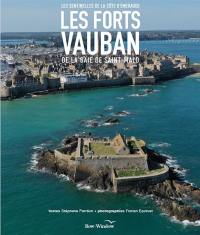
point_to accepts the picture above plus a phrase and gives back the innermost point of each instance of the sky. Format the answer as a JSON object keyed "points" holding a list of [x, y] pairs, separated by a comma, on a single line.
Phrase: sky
{"points": [[44, 15]]}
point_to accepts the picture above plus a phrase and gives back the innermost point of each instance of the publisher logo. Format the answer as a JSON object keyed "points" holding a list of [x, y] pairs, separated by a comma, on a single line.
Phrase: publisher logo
{"points": [[107, 224]]}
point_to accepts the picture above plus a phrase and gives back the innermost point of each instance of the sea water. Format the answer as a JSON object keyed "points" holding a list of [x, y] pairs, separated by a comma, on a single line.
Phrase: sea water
{"points": [[167, 119]]}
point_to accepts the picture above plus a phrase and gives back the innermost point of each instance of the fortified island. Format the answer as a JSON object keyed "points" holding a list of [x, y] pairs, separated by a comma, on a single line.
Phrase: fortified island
{"points": [[123, 164]]}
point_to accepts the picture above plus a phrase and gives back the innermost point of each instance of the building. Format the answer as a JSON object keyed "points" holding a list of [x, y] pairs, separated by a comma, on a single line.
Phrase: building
{"points": [[69, 78], [125, 160], [120, 145]]}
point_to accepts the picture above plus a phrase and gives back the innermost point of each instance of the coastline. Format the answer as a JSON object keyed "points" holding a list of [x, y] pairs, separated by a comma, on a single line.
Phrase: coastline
{"points": [[18, 92]]}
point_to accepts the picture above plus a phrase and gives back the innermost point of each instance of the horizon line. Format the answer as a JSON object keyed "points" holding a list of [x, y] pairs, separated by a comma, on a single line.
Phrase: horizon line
{"points": [[145, 30]]}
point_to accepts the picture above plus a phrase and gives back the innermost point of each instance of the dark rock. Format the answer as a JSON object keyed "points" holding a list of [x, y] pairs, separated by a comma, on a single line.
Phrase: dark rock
{"points": [[47, 160], [69, 140], [148, 91], [188, 190], [90, 123], [101, 179], [122, 113], [112, 120], [180, 210], [155, 156], [171, 197]]}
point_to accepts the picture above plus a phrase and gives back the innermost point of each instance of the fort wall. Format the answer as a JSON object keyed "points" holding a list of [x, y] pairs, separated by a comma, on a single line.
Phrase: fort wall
{"points": [[126, 184], [99, 83], [150, 80], [89, 166], [19, 91], [81, 169]]}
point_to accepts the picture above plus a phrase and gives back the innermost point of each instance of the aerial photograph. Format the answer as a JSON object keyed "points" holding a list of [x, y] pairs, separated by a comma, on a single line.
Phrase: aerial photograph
{"points": [[100, 117]]}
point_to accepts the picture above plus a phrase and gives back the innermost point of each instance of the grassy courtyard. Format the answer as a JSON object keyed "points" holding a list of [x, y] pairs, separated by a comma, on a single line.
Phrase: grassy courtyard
{"points": [[102, 149], [137, 172]]}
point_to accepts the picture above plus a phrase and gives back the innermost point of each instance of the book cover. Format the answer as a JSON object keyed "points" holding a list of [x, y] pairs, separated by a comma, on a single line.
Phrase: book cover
{"points": [[100, 117]]}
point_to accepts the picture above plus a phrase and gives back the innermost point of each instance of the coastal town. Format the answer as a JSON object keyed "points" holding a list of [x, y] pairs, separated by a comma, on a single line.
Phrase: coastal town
{"points": [[35, 69]]}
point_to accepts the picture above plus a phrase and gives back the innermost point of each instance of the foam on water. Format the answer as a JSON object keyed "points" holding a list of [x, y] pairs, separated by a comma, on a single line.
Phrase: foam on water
{"points": [[171, 162], [39, 147], [32, 166], [185, 222], [137, 95], [82, 186], [122, 113], [108, 108], [120, 98], [90, 123], [62, 177], [34, 169], [160, 145], [108, 124]]}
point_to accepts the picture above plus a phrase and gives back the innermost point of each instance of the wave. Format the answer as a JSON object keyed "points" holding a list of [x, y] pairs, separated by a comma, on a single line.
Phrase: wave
{"points": [[160, 145], [33, 161], [137, 95], [171, 162], [62, 177], [42, 146], [185, 222], [34, 169], [144, 92], [108, 108], [82, 186], [99, 191], [35, 156], [33, 164], [122, 113], [120, 98], [39, 147], [109, 124], [91, 123]]}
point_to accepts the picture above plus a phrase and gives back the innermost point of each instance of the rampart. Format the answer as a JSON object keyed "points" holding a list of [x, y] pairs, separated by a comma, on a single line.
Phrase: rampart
{"points": [[83, 167], [99, 83], [126, 184], [150, 80]]}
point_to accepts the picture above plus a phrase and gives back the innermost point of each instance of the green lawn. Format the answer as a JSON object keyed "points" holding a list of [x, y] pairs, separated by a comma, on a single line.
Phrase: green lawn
{"points": [[131, 172], [102, 149], [137, 172]]}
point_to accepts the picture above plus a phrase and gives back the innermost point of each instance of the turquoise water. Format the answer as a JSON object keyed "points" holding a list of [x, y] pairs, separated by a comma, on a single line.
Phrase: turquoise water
{"points": [[168, 119]]}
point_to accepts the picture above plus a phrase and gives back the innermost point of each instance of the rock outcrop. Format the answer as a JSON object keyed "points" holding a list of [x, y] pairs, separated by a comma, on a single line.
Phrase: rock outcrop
{"points": [[112, 120]]}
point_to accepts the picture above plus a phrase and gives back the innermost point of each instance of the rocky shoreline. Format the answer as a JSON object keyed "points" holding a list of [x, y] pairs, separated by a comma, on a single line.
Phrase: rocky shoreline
{"points": [[174, 196]]}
